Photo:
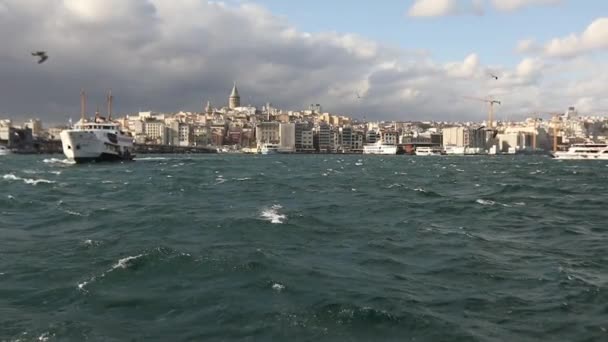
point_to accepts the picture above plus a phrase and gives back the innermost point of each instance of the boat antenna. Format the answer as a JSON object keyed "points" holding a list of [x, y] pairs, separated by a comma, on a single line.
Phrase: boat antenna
{"points": [[83, 105], [110, 98]]}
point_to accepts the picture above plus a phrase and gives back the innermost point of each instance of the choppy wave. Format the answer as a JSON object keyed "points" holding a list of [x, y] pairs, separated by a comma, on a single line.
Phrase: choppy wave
{"points": [[370, 253], [59, 161], [12, 177], [273, 214]]}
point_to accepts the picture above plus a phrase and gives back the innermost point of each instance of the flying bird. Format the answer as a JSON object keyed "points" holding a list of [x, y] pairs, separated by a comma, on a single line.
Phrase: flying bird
{"points": [[359, 96], [494, 76], [42, 55]]}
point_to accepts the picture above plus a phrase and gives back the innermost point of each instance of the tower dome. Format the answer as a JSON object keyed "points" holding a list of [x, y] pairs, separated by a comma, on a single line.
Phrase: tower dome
{"points": [[235, 99]]}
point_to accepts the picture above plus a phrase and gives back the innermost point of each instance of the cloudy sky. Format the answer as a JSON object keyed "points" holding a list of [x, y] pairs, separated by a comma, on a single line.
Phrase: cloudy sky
{"points": [[408, 59]]}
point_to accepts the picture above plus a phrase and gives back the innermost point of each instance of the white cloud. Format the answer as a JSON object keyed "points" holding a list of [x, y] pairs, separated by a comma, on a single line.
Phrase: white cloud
{"points": [[438, 8], [527, 46], [594, 38], [512, 5], [171, 56]]}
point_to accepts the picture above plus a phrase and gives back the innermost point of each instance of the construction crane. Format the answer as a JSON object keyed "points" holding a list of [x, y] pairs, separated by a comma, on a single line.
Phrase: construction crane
{"points": [[491, 102], [555, 124]]}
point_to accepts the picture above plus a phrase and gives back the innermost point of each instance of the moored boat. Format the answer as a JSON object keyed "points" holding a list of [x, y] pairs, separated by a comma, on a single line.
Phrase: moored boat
{"points": [[98, 140], [588, 151]]}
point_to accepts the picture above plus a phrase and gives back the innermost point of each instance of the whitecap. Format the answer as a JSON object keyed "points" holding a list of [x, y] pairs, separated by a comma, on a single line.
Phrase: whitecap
{"points": [[126, 262], [243, 179], [58, 161], [10, 197], [486, 202], [57, 173], [11, 177], [272, 214], [91, 243], [37, 181], [31, 181], [359, 164], [44, 337], [420, 190], [151, 158], [278, 287], [74, 213]]}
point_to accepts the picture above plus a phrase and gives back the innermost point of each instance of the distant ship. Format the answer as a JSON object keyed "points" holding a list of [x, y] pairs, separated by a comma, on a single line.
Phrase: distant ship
{"points": [[100, 140], [589, 151], [4, 150], [268, 148], [429, 151], [379, 148]]}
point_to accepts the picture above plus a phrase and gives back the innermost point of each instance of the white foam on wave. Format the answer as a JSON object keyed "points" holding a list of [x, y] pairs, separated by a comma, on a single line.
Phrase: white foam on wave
{"points": [[243, 179], [44, 337], [126, 262], [278, 287], [150, 158], [272, 214], [12, 177], [58, 161], [486, 202], [419, 190], [123, 263], [74, 213], [10, 197]]}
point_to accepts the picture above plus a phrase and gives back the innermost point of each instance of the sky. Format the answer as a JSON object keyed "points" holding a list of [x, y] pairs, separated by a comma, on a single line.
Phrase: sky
{"points": [[409, 60]]}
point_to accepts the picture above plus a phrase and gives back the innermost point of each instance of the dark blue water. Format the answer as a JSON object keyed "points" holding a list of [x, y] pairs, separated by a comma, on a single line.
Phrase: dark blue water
{"points": [[304, 248]]}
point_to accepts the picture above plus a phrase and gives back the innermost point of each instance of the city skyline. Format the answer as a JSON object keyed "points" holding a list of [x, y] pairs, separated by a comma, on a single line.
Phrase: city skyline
{"points": [[171, 57]]}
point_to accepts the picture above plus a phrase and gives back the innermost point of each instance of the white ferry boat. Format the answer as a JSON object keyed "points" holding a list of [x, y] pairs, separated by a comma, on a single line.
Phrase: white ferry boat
{"points": [[428, 151], [4, 150], [268, 148], [379, 148], [584, 151], [100, 140], [455, 150]]}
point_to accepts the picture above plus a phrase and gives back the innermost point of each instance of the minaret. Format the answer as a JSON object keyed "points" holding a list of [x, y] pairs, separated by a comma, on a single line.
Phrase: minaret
{"points": [[208, 108], [235, 99]]}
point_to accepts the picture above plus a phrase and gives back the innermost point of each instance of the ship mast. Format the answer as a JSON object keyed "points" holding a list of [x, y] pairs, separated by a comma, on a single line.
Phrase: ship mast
{"points": [[110, 98], [83, 105]]}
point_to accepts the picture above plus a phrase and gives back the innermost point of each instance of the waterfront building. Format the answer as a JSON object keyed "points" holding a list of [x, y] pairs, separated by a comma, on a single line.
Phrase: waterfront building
{"points": [[347, 138], [156, 132], [268, 132], [287, 138], [304, 137], [324, 137], [389, 137], [35, 125], [464, 137]]}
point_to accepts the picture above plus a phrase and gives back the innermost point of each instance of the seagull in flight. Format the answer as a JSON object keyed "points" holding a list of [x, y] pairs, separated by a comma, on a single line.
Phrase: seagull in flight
{"points": [[494, 76], [359, 96], [42, 55]]}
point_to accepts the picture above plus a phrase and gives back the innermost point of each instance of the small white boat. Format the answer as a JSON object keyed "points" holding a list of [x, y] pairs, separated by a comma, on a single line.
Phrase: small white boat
{"points": [[455, 150], [379, 148], [268, 148], [588, 151], [429, 151], [4, 150]]}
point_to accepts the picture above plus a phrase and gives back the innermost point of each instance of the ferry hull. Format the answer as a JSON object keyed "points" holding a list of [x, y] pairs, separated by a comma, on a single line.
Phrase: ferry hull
{"points": [[85, 147]]}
